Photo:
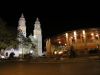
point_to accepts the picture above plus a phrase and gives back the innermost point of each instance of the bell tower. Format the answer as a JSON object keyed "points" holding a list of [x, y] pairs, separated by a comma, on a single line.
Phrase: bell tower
{"points": [[21, 33], [38, 36], [22, 26]]}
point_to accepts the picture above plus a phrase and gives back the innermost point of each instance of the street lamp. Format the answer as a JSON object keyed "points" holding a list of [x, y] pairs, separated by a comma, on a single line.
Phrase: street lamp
{"points": [[59, 42], [97, 35], [92, 34]]}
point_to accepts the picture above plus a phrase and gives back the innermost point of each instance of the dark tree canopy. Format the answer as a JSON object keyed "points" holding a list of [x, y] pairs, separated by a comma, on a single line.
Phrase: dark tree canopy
{"points": [[7, 37]]}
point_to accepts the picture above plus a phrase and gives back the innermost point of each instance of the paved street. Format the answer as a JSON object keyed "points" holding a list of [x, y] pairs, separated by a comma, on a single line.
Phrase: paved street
{"points": [[83, 67]]}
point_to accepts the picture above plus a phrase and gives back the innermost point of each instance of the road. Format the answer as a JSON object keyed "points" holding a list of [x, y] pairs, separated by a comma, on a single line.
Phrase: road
{"points": [[68, 68]]}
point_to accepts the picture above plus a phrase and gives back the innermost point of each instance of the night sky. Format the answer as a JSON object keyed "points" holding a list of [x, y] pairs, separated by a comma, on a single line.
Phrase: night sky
{"points": [[53, 20]]}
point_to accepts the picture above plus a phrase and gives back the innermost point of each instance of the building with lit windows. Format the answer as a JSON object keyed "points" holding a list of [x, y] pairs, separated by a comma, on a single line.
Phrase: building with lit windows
{"points": [[82, 40]]}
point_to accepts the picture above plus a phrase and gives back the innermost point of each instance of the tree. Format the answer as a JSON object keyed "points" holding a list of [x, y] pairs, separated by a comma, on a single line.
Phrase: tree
{"points": [[7, 37], [25, 43]]}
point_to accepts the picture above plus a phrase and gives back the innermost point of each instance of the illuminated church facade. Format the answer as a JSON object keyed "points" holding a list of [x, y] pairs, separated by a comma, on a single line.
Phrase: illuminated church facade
{"points": [[31, 44], [36, 39]]}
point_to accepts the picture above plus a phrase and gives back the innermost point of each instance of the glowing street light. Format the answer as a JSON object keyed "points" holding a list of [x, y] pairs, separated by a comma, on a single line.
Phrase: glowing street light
{"points": [[31, 51], [60, 52], [65, 44], [59, 42], [97, 35], [92, 34], [55, 52]]}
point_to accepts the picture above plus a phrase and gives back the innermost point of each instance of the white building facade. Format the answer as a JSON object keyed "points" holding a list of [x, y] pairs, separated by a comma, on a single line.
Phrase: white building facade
{"points": [[36, 39]]}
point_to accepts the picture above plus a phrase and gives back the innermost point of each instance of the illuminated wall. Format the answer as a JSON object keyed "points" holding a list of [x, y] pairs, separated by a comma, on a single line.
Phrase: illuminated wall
{"points": [[82, 39]]}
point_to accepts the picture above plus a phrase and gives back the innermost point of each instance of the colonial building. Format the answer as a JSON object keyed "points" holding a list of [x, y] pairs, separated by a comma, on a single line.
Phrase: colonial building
{"points": [[82, 40]]}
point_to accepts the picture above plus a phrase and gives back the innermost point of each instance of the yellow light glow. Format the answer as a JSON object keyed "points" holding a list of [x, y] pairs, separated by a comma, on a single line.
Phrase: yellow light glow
{"points": [[60, 52], [97, 35], [83, 32], [55, 52], [66, 35], [59, 42], [92, 34], [75, 33], [65, 44]]}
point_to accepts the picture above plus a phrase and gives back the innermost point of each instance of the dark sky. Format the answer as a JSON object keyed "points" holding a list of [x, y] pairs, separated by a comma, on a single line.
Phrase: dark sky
{"points": [[53, 20]]}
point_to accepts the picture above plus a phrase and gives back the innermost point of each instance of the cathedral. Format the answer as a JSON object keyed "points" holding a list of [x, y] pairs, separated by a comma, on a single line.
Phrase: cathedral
{"points": [[31, 44]]}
